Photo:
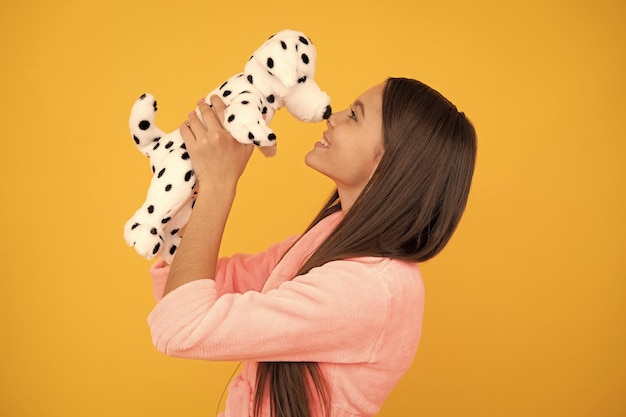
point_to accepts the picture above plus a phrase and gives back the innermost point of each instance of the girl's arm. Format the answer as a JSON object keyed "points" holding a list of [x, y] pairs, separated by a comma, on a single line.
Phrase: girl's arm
{"points": [[237, 273], [218, 161], [348, 311]]}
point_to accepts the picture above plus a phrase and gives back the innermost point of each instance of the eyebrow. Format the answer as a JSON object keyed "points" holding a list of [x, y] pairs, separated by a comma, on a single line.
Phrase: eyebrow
{"points": [[359, 104]]}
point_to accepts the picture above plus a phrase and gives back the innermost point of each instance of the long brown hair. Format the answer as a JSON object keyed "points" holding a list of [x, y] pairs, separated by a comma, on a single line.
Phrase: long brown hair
{"points": [[409, 210]]}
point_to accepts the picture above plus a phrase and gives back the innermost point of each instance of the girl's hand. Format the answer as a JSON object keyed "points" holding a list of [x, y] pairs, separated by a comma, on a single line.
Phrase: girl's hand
{"points": [[215, 155]]}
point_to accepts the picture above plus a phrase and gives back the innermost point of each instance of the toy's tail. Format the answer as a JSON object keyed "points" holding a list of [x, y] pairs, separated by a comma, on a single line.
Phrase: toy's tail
{"points": [[142, 126]]}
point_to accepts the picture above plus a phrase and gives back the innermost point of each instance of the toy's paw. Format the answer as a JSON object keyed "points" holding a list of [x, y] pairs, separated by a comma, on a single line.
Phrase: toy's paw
{"points": [[245, 119], [145, 238], [258, 134]]}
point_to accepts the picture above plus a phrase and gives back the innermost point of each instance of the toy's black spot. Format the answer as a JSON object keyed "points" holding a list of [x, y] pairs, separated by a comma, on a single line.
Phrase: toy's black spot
{"points": [[136, 139], [264, 110], [250, 79], [270, 73], [188, 175], [165, 220], [250, 135], [134, 226], [222, 86], [270, 98], [156, 146], [283, 44], [256, 142], [183, 146], [144, 125], [161, 172], [301, 80], [154, 105], [156, 248], [173, 232], [153, 169], [305, 58], [271, 136], [245, 102], [226, 93], [172, 249], [153, 231], [231, 118], [303, 40], [168, 187], [327, 112], [169, 145], [150, 209], [185, 156], [141, 97], [156, 139], [270, 63], [193, 203]]}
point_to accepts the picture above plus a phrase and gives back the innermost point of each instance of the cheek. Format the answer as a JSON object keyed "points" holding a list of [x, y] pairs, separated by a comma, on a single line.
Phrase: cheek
{"points": [[359, 167], [368, 154]]}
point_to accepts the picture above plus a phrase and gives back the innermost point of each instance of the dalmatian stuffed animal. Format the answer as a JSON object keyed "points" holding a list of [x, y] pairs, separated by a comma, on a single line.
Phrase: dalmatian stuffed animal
{"points": [[279, 74]]}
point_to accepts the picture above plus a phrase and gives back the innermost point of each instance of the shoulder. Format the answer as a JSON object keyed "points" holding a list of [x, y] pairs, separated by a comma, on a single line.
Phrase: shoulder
{"points": [[382, 284], [393, 274], [394, 292]]}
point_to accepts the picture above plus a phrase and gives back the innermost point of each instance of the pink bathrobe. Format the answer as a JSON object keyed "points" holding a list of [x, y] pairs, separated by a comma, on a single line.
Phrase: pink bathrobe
{"points": [[359, 318]]}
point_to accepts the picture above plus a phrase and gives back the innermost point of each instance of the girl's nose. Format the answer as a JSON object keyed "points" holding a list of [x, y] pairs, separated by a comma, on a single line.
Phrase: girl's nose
{"points": [[331, 121]]}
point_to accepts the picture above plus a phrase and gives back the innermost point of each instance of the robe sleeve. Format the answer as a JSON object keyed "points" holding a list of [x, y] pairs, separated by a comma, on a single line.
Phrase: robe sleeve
{"points": [[335, 313]]}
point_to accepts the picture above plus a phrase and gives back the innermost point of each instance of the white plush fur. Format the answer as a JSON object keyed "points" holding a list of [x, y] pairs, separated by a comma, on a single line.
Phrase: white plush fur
{"points": [[279, 74]]}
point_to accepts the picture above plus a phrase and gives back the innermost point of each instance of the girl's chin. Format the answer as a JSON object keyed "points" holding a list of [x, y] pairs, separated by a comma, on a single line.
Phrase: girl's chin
{"points": [[312, 161]]}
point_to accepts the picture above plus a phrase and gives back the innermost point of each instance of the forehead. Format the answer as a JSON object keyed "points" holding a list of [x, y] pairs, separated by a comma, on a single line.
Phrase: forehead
{"points": [[372, 99]]}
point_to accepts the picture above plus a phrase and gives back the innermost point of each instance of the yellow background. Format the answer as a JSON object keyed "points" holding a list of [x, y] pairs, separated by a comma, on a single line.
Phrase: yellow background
{"points": [[526, 308]]}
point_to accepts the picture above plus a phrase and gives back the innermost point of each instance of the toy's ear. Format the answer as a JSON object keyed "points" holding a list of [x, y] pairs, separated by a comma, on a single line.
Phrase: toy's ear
{"points": [[288, 56]]}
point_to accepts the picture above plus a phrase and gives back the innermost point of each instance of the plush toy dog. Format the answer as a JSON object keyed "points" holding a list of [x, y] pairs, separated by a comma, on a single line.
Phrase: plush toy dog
{"points": [[279, 73]]}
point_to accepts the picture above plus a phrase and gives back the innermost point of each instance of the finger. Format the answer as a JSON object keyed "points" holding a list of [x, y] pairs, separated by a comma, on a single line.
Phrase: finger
{"points": [[196, 125], [186, 132], [211, 118], [218, 105]]}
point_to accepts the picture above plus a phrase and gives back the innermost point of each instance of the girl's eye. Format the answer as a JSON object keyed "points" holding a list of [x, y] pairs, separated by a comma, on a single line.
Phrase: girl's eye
{"points": [[352, 115]]}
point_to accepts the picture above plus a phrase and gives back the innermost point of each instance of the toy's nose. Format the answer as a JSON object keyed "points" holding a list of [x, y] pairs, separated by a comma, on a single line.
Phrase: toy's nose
{"points": [[328, 112]]}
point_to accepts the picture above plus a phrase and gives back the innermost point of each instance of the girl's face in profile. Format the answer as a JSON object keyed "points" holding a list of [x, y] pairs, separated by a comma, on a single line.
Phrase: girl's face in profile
{"points": [[351, 147]]}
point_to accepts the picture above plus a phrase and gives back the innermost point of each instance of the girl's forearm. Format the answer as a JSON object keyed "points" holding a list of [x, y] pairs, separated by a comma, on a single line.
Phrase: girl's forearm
{"points": [[196, 258]]}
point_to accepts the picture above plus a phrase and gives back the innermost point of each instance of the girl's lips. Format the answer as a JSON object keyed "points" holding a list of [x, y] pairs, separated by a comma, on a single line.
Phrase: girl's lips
{"points": [[323, 142], [320, 144]]}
